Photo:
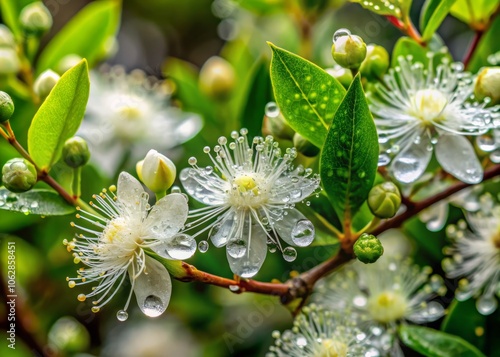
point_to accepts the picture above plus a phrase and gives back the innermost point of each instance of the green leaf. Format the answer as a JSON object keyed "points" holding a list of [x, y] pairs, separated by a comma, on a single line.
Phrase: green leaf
{"points": [[86, 34], [348, 162], [474, 13], [433, 14], [489, 44], [433, 343], [396, 8], [37, 201], [59, 116], [407, 46], [262, 7], [307, 96]]}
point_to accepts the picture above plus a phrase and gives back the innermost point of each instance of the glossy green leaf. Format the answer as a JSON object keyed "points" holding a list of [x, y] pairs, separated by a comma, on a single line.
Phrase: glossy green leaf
{"points": [[41, 202], [434, 343], [463, 319], [433, 14], [489, 44], [86, 34], [59, 116], [408, 47], [306, 95], [348, 162], [386, 7], [262, 7], [474, 13]]}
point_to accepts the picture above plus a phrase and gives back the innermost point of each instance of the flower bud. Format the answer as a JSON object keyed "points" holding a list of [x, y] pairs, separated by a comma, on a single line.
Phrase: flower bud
{"points": [[6, 37], [9, 62], [75, 152], [45, 82], [69, 335], [18, 175], [67, 62], [217, 78], [348, 50], [376, 62], [304, 146], [6, 107], [343, 75], [488, 84], [156, 171], [384, 200], [35, 18], [368, 248]]}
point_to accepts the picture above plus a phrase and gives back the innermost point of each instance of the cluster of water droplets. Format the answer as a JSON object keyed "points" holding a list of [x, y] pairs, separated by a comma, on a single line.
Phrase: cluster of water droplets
{"points": [[18, 202]]}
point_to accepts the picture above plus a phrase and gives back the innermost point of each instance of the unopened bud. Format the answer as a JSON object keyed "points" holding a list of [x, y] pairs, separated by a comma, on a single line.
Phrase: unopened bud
{"points": [[157, 172], [6, 107], [18, 175], [348, 50], [35, 18], [384, 200], [6, 37], [69, 335], [75, 152], [304, 146], [341, 74], [67, 62], [9, 62], [368, 248], [488, 84], [217, 78], [45, 82], [376, 62]]}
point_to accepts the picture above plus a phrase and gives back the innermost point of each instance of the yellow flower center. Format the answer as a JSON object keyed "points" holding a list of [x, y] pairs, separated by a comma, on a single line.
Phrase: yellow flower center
{"points": [[428, 105], [130, 112], [246, 183], [331, 348], [387, 306], [247, 191]]}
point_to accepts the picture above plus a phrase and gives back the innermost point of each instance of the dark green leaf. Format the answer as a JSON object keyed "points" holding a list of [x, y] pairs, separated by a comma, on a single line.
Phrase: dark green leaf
{"points": [[408, 47], [474, 13], [41, 202], [307, 96], [59, 116], [433, 14], [348, 162], [261, 6], [87, 34], [434, 343], [386, 8], [489, 44]]}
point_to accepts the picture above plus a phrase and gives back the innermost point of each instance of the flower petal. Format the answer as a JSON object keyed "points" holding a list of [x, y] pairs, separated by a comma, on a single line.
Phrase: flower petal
{"points": [[412, 161], [295, 229], [204, 187], [153, 288], [167, 217], [456, 156], [293, 187], [223, 230], [130, 193]]}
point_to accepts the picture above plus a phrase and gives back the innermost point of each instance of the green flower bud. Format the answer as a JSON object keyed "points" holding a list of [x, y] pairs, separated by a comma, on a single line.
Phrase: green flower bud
{"points": [[376, 62], [304, 146], [18, 175], [67, 62], [488, 84], [6, 107], [217, 78], [35, 18], [9, 62], [384, 200], [75, 152], [6, 37], [343, 75], [69, 335], [157, 172], [368, 248], [45, 82], [348, 50]]}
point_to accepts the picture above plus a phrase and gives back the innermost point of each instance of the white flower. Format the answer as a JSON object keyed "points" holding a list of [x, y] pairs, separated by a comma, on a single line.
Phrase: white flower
{"points": [[252, 190], [319, 332], [125, 227], [385, 294], [475, 256], [419, 109], [129, 114]]}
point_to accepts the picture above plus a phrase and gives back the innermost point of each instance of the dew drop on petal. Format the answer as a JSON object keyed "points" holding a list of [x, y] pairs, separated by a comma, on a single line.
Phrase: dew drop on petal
{"points": [[486, 143], [236, 248], [153, 306], [341, 33], [203, 246], [411, 163], [181, 246], [303, 233], [383, 159], [289, 254], [486, 305], [272, 110], [122, 315]]}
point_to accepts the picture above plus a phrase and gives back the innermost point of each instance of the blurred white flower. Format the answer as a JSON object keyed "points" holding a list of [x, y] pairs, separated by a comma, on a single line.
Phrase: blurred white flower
{"points": [[418, 109], [125, 226], [251, 193], [475, 257], [129, 114]]}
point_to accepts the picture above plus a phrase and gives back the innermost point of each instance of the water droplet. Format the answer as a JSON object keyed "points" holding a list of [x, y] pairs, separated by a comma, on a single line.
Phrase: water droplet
{"points": [[203, 246], [11, 198], [383, 159], [341, 33], [234, 288], [295, 193], [236, 248], [303, 233], [34, 204], [153, 306], [122, 315], [486, 143], [289, 254], [486, 305], [272, 110], [181, 246]]}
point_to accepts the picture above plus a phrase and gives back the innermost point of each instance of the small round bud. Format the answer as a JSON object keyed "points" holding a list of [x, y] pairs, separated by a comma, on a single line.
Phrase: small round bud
{"points": [[376, 62], [75, 152], [304, 146], [35, 18], [6, 107], [67, 62], [341, 74], [45, 82], [368, 248], [157, 172], [217, 78], [384, 200], [18, 175], [488, 84], [6, 37], [9, 62], [348, 50]]}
